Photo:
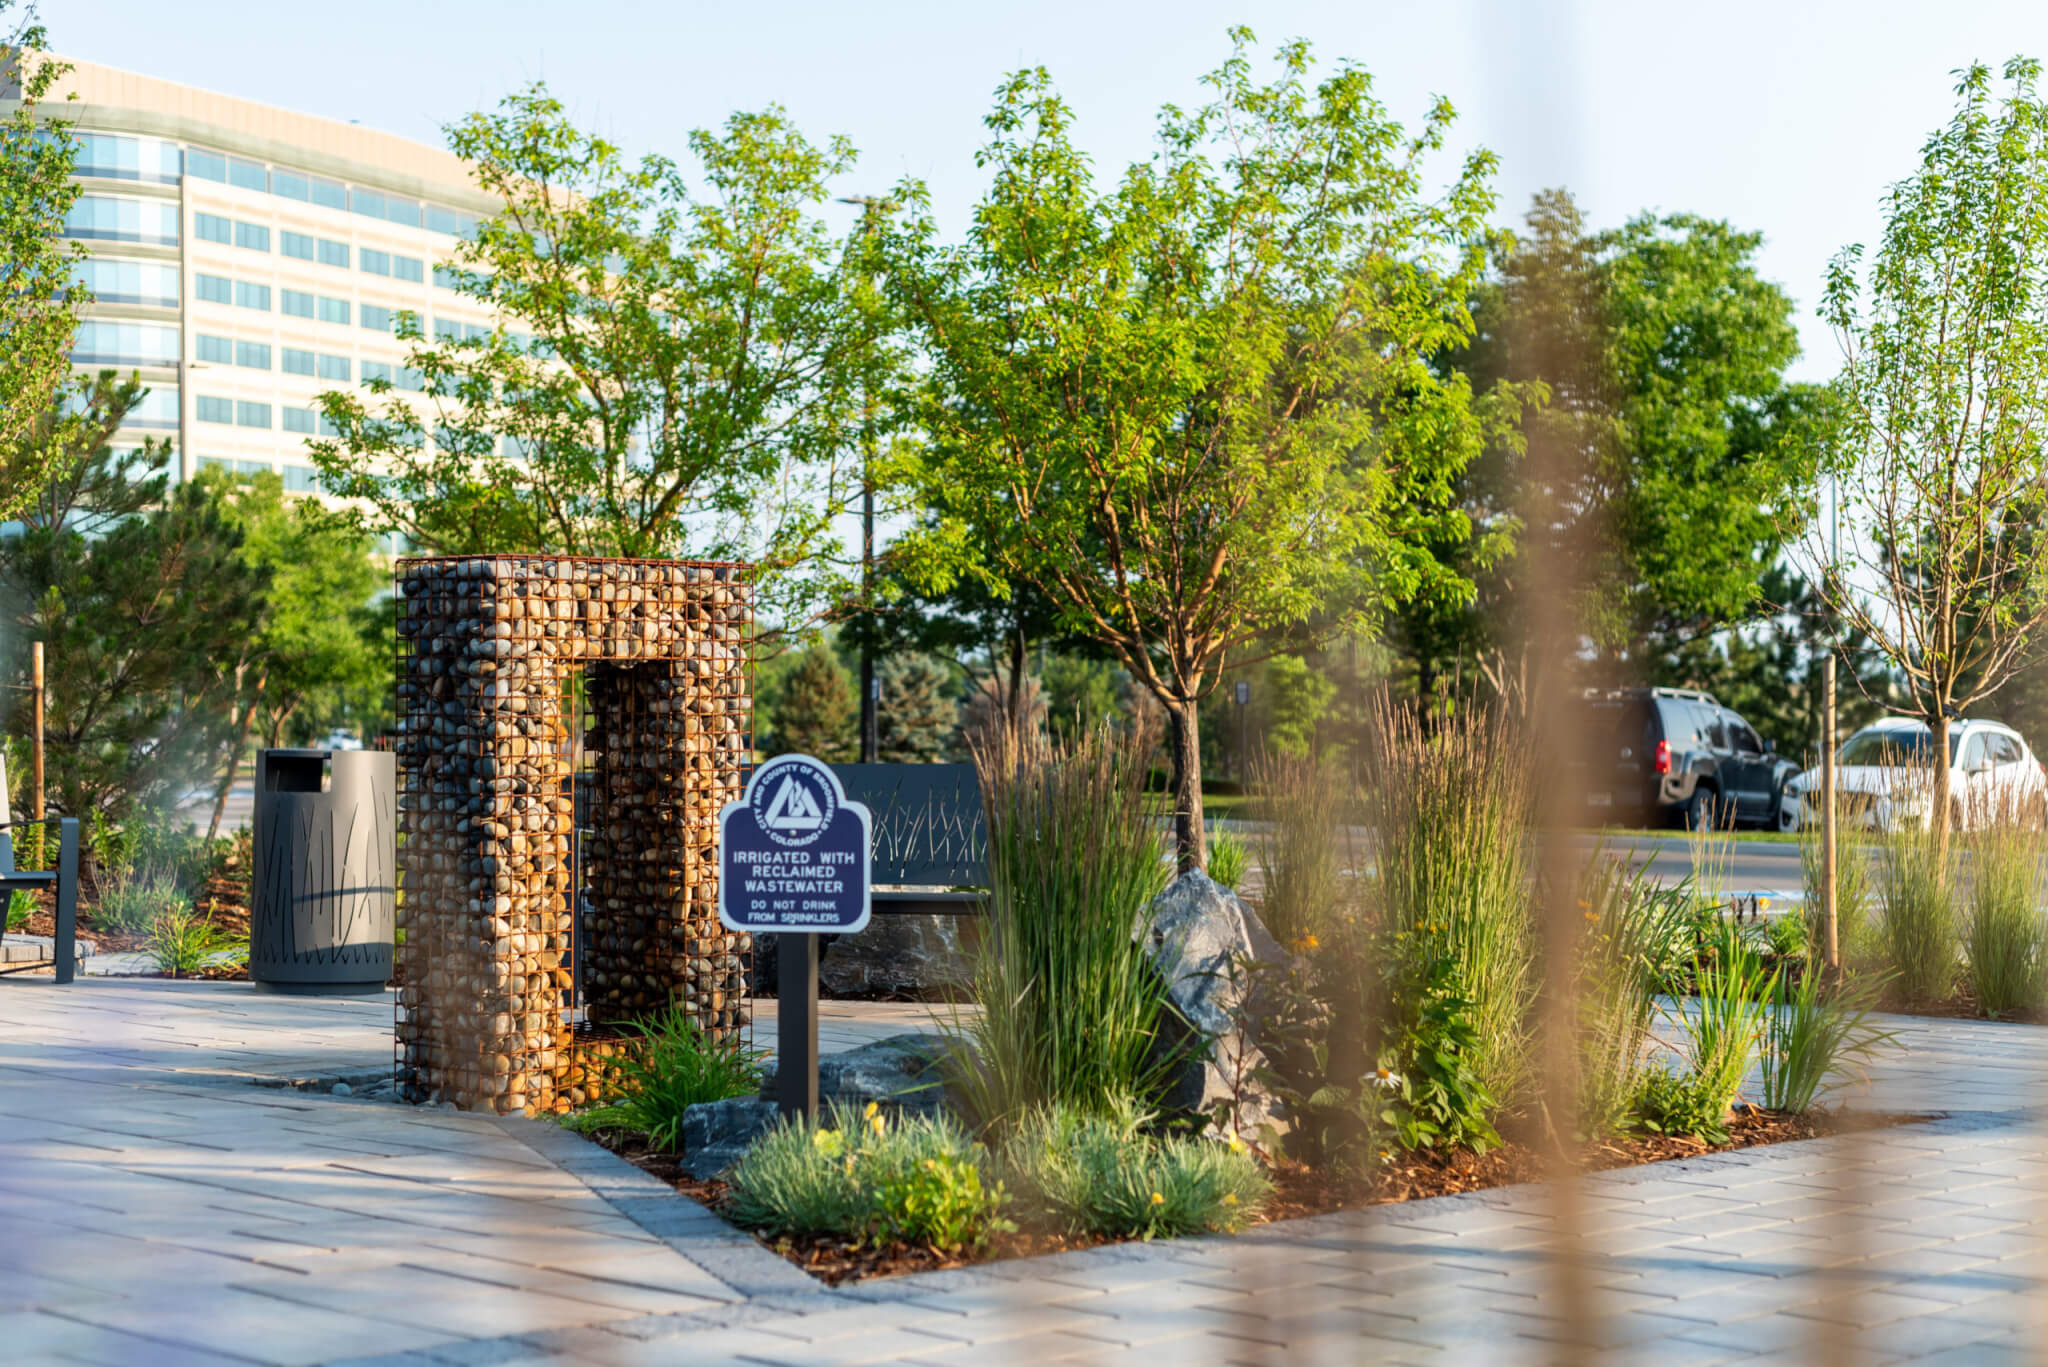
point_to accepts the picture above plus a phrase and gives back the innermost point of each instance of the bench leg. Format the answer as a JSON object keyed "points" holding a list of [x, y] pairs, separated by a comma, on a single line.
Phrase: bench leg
{"points": [[66, 948]]}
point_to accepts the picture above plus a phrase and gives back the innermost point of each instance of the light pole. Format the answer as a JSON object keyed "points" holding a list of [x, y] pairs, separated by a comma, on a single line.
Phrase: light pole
{"points": [[870, 688]]}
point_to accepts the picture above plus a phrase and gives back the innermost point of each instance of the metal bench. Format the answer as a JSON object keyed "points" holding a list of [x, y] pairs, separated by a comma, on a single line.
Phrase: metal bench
{"points": [[930, 838], [64, 878]]}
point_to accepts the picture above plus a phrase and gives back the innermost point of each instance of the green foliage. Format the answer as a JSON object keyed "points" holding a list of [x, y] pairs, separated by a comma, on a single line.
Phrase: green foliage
{"points": [[1196, 408], [1229, 858], [682, 372], [1071, 1009], [1104, 1173], [1437, 1097], [182, 942], [1451, 808], [1725, 1024], [1291, 698], [877, 1178], [674, 1066], [143, 598], [1081, 696], [1816, 1040], [1667, 1102], [1301, 879], [918, 716], [1635, 934], [39, 297], [816, 713], [1853, 893], [1917, 931], [1940, 474], [2005, 937], [21, 904]]}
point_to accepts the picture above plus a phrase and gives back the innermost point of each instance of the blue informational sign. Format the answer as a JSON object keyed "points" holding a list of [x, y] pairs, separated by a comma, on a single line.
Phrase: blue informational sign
{"points": [[793, 853]]}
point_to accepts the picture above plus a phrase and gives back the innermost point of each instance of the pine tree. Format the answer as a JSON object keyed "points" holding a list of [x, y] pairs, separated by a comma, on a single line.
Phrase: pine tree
{"points": [[918, 717], [815, 714]]}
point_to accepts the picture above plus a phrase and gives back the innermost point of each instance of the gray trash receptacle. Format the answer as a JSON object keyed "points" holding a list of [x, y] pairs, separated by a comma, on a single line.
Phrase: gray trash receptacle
{"points": [[324, 888]]}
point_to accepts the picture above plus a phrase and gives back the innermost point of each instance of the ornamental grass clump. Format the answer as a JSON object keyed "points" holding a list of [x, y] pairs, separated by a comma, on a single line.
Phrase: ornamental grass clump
{"points": [[1229, 857], [671, 1066], [1450, 811], [1301, 878], [1853, 898], [876, 1178], [1817, 1039], [1636, 933], [2003, 938], [1107, 1174], [1917, 930], [1070, 1007], [182, 942], [1723, 1027]]}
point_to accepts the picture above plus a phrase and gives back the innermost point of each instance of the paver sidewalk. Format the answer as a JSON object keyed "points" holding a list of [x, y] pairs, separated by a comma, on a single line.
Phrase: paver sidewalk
{"points": [[155, 1207]]}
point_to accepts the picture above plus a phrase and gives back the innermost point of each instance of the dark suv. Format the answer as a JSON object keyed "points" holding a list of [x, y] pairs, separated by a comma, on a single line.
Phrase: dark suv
{"points": [[1659, 753]]}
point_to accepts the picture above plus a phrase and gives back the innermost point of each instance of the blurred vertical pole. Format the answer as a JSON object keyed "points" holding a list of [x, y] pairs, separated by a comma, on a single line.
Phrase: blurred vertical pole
{"points": [[35, 806], [1828, 852]]}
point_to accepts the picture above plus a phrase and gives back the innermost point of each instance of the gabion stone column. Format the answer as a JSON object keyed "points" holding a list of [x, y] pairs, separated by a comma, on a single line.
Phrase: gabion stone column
{"points": [[486, 814]]}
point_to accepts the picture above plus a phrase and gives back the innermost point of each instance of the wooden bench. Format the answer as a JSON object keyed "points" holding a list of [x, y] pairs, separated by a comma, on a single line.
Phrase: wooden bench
{"points": [[64, 878]]}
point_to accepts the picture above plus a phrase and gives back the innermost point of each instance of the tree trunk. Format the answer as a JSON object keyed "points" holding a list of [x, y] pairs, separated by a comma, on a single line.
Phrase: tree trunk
{"points": [[1938, 804], [1190, 840], [227, 781]]}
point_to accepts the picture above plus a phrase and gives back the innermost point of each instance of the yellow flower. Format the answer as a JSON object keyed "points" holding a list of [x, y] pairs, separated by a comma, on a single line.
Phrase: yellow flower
{"points": [[1237, 1145], [829, 1143], [876, 1121], [1157, 1199], [1229, 1198], [873, 1107]]}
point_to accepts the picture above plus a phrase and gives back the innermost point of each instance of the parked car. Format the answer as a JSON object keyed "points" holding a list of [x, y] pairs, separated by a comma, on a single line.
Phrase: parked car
{"points": [[341, 740], [1657, 755], [1884, 781]]}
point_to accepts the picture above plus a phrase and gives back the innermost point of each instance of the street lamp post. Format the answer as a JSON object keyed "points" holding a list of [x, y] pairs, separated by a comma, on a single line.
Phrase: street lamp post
{"points": [[870, 687]]}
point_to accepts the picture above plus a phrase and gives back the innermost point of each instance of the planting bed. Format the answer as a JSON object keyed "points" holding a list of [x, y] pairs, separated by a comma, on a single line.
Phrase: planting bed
{"points": [[1298, 1190]]}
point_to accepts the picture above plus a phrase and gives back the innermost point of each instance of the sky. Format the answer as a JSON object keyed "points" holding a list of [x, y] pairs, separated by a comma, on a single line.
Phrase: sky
{"points": [[1786, 118]]}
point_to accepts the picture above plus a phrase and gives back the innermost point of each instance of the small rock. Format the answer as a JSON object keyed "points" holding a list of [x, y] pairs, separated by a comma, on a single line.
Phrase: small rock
{"points": [[341, 1089]]}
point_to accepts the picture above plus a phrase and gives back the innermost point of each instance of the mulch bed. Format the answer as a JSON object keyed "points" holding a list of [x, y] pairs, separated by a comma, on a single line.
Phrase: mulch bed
{"points": [[226, 893], [1961, 1005], [1298, 1189]]}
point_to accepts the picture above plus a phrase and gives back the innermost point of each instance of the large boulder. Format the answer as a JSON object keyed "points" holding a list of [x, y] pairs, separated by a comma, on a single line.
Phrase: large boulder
{"points": [[915, 957], [1201, 939]]}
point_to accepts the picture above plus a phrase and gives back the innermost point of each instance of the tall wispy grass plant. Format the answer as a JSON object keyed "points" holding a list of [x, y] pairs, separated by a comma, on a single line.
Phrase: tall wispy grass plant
{"points": [[1917, 927], [2003, 939]]}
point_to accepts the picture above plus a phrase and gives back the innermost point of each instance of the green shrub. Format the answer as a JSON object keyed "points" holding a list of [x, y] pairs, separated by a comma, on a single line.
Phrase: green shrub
{"points": [[1301, 879], [181, 941], [1815, 1040], [1732, 1000], [130, 905], [1672, 1103], [673, 1066], [1104, 1174], [880, 1179], [2004, 936], [1434, 1096], [1071, 1008], [1918, 927], [21, 904], [1229, 858]]}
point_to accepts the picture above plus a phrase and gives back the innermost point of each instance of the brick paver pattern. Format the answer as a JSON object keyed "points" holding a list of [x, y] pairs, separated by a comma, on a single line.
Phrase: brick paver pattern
{"points": [[177, 1186]]}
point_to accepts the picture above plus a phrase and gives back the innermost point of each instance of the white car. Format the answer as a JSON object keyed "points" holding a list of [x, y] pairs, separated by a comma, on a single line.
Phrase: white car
{"points": [[1883, 782], [341, 740]]}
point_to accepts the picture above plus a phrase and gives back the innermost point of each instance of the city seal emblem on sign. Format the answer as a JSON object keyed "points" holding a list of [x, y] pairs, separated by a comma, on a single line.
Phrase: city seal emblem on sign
{"points": [[792, 801]]}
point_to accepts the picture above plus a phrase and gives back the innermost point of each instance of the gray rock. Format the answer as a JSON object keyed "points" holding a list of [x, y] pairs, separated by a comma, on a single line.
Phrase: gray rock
{"points": [[1198, 935], [896, 958], [341, 1089], [717, 1133]]}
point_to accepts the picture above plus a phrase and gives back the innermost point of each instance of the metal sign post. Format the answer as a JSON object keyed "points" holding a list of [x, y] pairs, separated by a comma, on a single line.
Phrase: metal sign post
{"points": [[794, 862]]}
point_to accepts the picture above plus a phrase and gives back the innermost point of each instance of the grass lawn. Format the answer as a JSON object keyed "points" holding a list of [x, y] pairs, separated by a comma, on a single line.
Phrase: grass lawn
{"points": [[1744, 834]]}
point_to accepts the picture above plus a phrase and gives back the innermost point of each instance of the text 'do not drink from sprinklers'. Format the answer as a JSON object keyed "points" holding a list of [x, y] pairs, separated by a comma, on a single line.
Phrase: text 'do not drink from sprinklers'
{"points": [[793, 853]]}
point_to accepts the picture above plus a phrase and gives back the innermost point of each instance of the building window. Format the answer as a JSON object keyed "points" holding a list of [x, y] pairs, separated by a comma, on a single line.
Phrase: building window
{"points": [[158, 407], [215, 350], [213, 228], [373, 261], [408, 379], [100, 343], [333, 367], [447, 277], [215, 410], [333, 310], [366, 202], [110, 157], [440, 220], [251, 414], [447, 329], [475, 332], [290, 184], [376, 370], [297, 419], [206, 165], [409, 268], [301, 479], [327, 427], [253, 355], [127, 282], [376, 318], [102, 218], [329, 194], [297, 303], [333, 253], [295, 245], [253, 236], [250, 296], [296, 362], [250, 175], [214, 289]]}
